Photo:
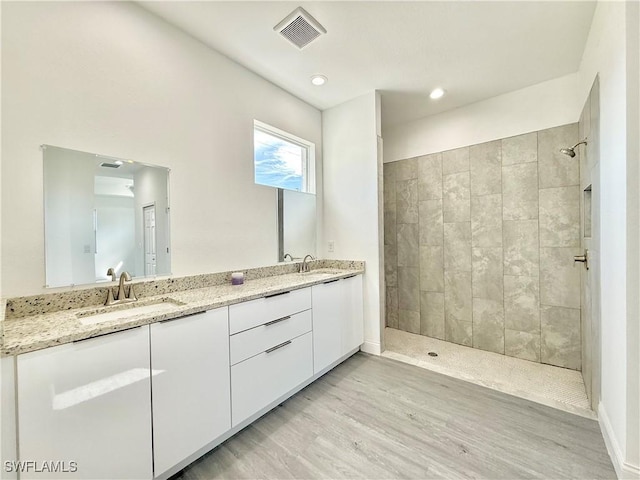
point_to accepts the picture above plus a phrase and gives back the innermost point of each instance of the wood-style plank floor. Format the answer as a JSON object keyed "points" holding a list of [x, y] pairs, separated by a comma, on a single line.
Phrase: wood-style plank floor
{"points": [[376, 418]]}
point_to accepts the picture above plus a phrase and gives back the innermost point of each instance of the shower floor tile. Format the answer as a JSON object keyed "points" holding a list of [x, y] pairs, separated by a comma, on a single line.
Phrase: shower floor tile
{"points": [[552, 386]]}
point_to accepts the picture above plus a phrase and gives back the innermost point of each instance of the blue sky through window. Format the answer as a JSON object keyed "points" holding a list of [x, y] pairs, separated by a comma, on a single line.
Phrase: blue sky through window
{"points": [[278, 163]]}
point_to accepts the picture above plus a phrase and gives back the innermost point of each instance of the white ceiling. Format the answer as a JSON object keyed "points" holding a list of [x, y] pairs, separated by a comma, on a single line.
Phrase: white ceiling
{"points": [[473, 49]]}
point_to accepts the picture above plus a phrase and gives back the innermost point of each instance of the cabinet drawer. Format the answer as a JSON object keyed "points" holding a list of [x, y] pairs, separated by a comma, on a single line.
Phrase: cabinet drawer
{"points": [[246, 315], [261, 379], [258, 339]]}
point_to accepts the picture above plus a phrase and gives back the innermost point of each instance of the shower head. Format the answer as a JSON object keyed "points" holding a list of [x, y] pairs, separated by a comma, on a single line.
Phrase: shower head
{"points": [[571, 151]]}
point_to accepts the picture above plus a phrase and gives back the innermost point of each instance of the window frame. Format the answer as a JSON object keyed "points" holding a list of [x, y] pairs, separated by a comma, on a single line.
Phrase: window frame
{"points": [[308, 155]]}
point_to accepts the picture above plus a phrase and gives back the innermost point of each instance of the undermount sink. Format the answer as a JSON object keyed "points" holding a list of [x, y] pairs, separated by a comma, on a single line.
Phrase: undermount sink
{"points": [[127, 310], [322, 272]]}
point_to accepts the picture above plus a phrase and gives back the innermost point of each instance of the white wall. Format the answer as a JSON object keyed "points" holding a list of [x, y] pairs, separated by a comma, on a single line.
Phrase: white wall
{"points": [[605, 55], [111, 78], [633, 232], [351, 197], [545, 105]]}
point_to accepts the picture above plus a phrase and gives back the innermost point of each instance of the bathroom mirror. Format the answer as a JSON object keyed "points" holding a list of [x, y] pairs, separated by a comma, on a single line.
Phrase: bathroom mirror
{"points": [[102, 212], [296, 225]]}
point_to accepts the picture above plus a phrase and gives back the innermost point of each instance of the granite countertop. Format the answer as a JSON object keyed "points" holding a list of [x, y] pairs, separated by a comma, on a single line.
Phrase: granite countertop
{"points": [[28, 333]]}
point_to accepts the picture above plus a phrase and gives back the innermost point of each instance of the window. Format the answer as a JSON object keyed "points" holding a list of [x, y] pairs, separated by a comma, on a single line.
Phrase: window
{"points": [[282, 160]]}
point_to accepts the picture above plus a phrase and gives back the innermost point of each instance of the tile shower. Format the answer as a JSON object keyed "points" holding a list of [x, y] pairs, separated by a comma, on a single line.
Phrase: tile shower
{"points": [[479, 246]]}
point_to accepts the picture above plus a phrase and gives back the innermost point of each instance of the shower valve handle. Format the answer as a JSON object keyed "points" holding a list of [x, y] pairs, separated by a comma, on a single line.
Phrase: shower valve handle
{"points": [[583, 259]]}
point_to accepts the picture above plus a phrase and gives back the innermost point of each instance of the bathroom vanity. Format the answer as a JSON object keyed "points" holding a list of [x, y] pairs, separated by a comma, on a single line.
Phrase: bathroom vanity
{"points": [[142, 395]]}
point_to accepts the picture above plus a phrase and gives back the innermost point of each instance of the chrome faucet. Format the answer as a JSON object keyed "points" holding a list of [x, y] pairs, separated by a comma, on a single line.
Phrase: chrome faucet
{"points": [[287, 255], [121, 297], [304, 266], [112, 272]]}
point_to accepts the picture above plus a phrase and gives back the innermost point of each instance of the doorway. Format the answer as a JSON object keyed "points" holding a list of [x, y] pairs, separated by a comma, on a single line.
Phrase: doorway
{"points": [[149, 215]]}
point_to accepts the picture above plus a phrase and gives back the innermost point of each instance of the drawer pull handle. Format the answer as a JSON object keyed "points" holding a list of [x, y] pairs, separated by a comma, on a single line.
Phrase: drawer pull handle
{"points": [[273, 322], [108, 333], [276, 294], [180, 318], [273, 349], [331, 281]]}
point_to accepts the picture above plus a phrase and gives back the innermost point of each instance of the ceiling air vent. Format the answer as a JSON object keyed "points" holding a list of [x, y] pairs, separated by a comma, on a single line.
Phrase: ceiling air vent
{"points": [[300, 28], [109, 165]]}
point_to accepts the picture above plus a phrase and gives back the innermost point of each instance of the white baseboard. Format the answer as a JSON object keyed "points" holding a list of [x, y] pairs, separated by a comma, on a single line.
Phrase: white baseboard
{"points": [[371, 347], [624, 471]]}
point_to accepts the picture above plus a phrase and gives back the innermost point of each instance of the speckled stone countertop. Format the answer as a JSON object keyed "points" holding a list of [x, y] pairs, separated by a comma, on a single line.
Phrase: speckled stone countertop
{"points": [[34, 323]]}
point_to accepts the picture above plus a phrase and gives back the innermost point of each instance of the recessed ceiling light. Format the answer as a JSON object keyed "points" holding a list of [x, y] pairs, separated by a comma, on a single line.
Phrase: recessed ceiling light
{"points": [[318, 80], [436, 93], [118, 162]]}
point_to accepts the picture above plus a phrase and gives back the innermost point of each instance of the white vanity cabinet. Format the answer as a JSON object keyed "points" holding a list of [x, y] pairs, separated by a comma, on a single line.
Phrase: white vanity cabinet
{"points": [[271, 350], [338, 324], [84, 408], [190, 385], [144, 402]]}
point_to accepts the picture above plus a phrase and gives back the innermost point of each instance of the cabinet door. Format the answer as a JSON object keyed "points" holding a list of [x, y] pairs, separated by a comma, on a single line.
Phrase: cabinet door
{"points": [[328, 310], [8, 445], [190, 385], [353, 324], [87, 402]]}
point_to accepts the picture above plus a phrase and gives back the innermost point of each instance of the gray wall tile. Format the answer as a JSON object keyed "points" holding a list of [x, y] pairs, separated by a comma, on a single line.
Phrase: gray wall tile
{"points": [[406, 169], [520, 190], [407, 201], [521, 304], [458, 307], [520, 149], [432, 314], [486, 221], [485, 165], [389, 171], [409, 321], [457, 246], [556, 169], [559, 278], [456, 197], [560, 217], [488, 325], [391, 306], [522, 345], [458, 331], [593, 147], [521, 249], [389, 193], [390, 265], [560, 340], [408, 245], [430, 177], [431, 268], [454, 161], [431, 222], [390, 231], [477, 238], [487, 269], [409, 289]]}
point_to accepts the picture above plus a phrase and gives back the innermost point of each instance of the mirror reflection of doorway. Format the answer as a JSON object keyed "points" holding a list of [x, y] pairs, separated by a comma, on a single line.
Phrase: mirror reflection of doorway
{"points": [[149, 215]]}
